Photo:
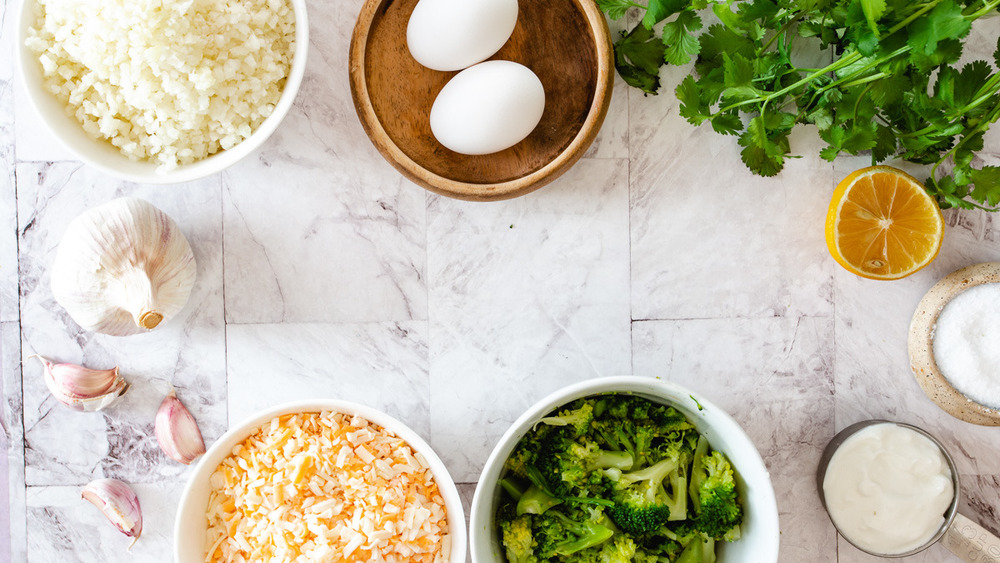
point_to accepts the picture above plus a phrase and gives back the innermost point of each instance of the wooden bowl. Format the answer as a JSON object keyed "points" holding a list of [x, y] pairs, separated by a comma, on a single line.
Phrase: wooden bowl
{"points": [[921, 344], [565, 42]]}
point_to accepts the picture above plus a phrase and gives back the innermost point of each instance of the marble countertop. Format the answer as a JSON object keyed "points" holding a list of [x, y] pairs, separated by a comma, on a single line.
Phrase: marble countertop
{"points": [[323, 273]]}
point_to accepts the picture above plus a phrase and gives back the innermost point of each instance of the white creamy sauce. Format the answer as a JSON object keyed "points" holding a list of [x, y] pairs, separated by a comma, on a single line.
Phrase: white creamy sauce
{"points": [[887, 488], [965, 343]]}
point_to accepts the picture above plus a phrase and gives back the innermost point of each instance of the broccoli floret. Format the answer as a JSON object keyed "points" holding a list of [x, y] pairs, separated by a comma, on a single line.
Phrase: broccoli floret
{"points": [[561, 534], [519, 459], [662, 484], [563, 464], [517, 540], [636, 425], [619, 550], [636, 514], [716, 506], [578, 419]]}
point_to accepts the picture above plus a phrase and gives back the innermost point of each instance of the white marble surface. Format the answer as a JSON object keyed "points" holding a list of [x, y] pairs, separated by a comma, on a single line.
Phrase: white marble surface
{"points": [[323, 273]]}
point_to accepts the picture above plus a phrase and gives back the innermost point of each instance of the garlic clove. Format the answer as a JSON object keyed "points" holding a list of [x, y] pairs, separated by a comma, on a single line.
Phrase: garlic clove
{"points": [[177, 432], [122, 268], [81, 388], [119, 504]]}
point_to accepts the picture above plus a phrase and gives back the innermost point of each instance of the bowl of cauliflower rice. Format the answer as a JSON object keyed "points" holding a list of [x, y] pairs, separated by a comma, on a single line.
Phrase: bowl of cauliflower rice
{"points": [[162, 92]]}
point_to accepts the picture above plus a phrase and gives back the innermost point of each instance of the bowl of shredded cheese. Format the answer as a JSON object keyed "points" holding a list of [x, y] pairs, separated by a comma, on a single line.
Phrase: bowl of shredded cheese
{"points": [[320, 481], [161, 92], [953, 343]]}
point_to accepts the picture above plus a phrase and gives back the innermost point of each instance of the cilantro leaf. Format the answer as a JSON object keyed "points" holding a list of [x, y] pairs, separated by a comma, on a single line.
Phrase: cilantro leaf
{"points": [[692, 106], [860, 30], [888, 91], [987, 185], [738, 74], [945, 21], [834, 137], [614, 8], [873, 10], [728, 123], [659, 10], [764, 152], [948, 52], [727, 17], [638, 56], [758, 10], [970, 80], [680, 43], [885, 144]]}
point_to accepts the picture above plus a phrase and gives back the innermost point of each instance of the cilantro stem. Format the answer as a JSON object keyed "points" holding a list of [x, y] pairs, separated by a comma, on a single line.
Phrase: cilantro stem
{"points": [[857, 103], [926, 8], [866, 68], [991, 90], [780, 32], [983, 11], [851, 58], [991, 117]]}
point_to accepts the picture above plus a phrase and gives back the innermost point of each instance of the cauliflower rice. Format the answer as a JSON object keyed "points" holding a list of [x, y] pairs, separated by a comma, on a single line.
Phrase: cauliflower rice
{"points": [[325, 487], [170, 82]]}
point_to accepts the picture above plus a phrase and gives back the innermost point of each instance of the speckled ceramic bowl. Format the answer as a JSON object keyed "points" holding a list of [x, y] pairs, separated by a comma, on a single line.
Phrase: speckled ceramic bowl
{"points": [[921, 344]]}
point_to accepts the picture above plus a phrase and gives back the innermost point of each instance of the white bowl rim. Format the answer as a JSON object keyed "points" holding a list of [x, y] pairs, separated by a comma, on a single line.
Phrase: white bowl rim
{"points": [[640, 385], [238, 432], [145, 172]]}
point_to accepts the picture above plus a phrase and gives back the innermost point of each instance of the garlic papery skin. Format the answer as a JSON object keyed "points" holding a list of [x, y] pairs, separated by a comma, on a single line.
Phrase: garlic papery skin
{"points": [[177, 432], [122, 268], [118, 502], [81, 388]]}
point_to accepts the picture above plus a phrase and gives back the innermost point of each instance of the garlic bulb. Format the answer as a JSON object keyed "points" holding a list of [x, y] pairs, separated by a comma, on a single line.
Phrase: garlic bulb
{"points": [[122, 268], [119, 504]]}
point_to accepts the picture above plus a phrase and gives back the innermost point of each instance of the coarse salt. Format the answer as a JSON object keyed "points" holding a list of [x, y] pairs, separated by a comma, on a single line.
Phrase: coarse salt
{"points": [[966, 348]]}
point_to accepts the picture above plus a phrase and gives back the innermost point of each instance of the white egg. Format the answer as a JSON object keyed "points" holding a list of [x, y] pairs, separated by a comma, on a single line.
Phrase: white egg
{"points": [[454, 34], [487, 108]]}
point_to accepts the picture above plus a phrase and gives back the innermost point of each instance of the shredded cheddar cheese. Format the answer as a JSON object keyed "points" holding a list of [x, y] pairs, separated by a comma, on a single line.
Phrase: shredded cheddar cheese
{"points": [[325, 487]]}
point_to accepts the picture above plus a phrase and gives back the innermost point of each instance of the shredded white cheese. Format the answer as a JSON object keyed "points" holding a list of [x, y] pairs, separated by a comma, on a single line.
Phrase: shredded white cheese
{"points": [[325, 487]]}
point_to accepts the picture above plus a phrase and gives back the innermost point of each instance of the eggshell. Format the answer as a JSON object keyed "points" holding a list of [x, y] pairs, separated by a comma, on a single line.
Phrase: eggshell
{"points": [[487, 108], [454, 34]]}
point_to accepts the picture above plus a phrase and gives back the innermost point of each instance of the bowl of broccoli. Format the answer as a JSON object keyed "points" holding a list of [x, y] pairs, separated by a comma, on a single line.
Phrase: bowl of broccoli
{"points": [[624, 469]]}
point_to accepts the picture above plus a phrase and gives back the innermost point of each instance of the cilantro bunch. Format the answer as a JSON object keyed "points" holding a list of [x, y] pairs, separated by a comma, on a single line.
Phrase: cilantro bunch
{"points": [[893, 87]]}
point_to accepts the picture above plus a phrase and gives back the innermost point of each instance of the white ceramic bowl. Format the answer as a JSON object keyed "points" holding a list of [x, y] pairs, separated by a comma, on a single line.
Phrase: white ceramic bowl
{"points": [[191, 524], [759, 542], [106, 157]]}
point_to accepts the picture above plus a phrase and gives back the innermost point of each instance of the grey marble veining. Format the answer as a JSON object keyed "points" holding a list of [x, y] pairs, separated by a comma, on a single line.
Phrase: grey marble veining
{"points": [[186, 352], [527, 295], [322, 273], [383, 365]]}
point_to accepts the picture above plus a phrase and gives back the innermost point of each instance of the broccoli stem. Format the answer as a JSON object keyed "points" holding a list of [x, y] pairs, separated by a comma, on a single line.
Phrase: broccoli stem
{"points": [[513, 488], [535, 501]]}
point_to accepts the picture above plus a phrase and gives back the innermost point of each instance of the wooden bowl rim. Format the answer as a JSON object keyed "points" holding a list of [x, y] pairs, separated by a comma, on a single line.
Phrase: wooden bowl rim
{"points": [[921, 344], [487, 191]]}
